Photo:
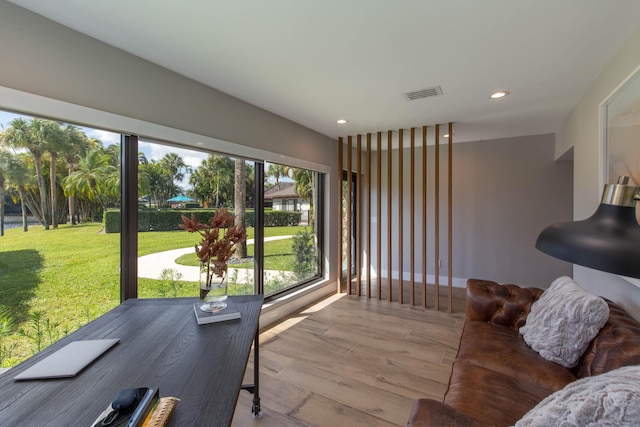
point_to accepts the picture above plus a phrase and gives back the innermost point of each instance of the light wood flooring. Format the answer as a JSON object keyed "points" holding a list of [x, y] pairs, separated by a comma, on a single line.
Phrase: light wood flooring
{"points": [[353, 361]]}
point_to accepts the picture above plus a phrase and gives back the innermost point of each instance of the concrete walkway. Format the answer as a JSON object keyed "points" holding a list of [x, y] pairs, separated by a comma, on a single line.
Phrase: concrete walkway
{"points": [[151, 266]]}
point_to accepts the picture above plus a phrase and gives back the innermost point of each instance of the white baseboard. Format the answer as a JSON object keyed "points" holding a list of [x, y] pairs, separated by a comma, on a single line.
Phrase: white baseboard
{"points": [[457, 282]]}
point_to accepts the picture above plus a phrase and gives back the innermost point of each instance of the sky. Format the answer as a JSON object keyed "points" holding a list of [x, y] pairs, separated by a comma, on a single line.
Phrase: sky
{"points": [[151, 151]]}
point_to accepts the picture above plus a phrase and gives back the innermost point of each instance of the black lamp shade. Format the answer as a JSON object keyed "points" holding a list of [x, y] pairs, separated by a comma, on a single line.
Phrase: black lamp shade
{"points": [[608, 241]]}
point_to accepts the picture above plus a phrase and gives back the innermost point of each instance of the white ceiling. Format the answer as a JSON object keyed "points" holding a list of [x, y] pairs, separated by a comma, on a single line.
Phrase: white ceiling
{"points": [[314, 62]]}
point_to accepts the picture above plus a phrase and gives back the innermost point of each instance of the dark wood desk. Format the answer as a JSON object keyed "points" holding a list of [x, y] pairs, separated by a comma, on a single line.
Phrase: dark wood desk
{"points": [[161, 345]]}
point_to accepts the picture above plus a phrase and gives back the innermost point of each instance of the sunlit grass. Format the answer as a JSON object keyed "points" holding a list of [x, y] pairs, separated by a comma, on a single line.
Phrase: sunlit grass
{"points": [[277, 256]]}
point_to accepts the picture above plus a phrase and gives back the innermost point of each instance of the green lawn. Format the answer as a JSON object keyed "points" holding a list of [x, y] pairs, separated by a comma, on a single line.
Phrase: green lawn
{"points": [[52, 282], [277, 256]]}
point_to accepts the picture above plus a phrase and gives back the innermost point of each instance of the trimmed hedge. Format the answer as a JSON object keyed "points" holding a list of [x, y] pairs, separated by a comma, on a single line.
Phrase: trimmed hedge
{"points": [[169, 219]]}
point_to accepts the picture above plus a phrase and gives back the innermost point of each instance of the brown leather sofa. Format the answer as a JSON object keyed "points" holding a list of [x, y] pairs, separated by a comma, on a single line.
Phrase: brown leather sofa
{"points": [[496, 378]]}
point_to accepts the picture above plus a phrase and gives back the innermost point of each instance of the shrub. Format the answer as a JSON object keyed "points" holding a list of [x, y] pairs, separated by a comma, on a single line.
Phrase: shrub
{"points": [[304, 251], [281, 218], [168, 219]]}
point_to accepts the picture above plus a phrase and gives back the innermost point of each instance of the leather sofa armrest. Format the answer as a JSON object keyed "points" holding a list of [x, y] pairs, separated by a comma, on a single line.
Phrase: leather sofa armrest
{"points": [[505, 305], [429, 412]]}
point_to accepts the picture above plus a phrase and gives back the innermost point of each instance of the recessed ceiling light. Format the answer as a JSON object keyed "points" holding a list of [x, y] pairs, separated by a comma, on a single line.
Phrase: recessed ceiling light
{"points": [[498, 95], [342, 121]]}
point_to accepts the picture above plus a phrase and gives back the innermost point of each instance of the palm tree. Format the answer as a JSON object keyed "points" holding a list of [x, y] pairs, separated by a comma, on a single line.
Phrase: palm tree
{"points": [[277, 171], [304, 185], [5, 160], [54, 141], [89, 181], [303, 182], [156, 182], [213, 180], [15, 174], [239, 207], [22, 134], [175, 168], [77, 145]]}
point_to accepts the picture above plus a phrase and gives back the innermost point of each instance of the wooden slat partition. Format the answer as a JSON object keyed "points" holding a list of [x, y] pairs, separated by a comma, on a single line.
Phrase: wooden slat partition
{"points": [[412, 227], [349, 210], [450, 212], [379, 216], [436, 216], [358, 216], [400, 219], [369, 214], [340, 207], [424, 216], [361, 210], [389, 216]]}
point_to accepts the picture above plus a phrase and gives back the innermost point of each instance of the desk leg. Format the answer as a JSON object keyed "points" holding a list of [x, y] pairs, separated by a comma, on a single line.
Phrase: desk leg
{"points": [[254, 388]]}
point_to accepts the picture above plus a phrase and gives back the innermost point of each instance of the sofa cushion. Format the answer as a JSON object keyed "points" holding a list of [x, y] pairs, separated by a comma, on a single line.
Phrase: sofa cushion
{"points": [[504, 305], [563, 322], [611, 399], [616, 345], [489, 396], [503, 350]]}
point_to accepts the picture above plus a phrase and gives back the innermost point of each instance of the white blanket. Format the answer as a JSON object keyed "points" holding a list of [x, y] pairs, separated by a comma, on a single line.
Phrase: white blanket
{"points": [[610, 399]]}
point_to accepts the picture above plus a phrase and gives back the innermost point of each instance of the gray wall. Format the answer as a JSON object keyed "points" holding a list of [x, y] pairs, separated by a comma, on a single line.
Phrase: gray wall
{"points": [[505, 192], [42, 57]]}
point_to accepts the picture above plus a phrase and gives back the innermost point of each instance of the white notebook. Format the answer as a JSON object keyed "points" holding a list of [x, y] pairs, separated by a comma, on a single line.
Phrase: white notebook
{"points": [[67, 361]]}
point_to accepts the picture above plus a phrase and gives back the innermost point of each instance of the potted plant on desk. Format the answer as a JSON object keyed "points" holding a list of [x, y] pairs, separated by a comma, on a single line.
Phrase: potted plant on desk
{"points": [[219, 241]]}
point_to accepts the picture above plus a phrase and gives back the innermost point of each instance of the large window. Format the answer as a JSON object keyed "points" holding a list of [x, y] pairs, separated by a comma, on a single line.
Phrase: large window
{"points": [[176, 182], [62, 255], [58, 268], [291, 246], [173, 182]]}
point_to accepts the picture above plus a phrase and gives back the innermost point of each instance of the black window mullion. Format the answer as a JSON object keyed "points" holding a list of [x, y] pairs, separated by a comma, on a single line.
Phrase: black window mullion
{"points": [[258, 248], [128, 217]]}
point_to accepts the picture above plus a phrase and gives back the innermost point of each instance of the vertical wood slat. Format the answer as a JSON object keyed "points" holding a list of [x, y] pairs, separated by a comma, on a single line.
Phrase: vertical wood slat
{"points": [[340, 207], [389, 192], [379, 216], [400, 219], [349, 211], [369, 214], [356, 208], [424, 216], [450, 237], [358, 216], [412, 227], [436, 218]]}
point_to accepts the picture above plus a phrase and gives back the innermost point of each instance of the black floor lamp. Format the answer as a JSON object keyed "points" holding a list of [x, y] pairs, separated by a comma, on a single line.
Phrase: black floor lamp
{"points": [[608, 241]]}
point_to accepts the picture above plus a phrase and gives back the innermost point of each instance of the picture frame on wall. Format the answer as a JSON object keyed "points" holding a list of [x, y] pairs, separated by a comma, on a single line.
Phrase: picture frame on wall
{"points": [[620, 127], [620, 136]]}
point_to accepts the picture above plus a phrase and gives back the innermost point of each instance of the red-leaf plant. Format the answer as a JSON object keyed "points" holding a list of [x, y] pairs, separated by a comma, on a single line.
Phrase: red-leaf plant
{"points": [[216, 247]]}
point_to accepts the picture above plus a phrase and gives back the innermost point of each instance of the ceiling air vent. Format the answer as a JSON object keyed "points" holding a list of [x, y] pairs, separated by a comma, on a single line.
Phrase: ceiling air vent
{"points": [[423, 93]]}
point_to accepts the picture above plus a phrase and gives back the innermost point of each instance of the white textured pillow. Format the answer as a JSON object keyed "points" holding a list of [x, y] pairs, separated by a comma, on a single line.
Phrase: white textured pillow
{"points": [[563, 322], [611, 399]]}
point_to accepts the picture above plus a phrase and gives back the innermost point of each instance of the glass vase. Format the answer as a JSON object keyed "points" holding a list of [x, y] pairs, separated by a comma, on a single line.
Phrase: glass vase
{"points": [[213, 289]]}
